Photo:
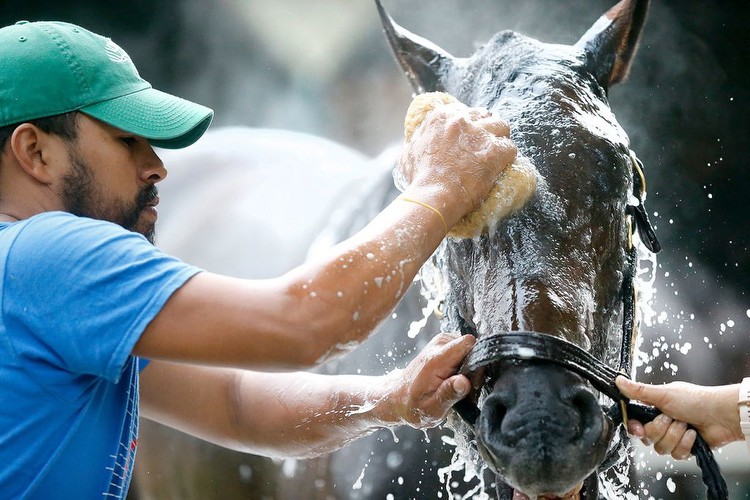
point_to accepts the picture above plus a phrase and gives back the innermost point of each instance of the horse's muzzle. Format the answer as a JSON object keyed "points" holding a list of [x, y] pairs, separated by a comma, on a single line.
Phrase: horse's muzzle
{"points": [[542, 429]]}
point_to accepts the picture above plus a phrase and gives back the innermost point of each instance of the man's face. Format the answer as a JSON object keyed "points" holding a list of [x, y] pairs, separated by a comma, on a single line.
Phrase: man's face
{"points": [[112, 177]]}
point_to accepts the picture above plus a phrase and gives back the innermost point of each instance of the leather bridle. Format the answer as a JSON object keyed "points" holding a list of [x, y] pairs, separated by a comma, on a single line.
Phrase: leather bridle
{"points": [[524, 346]]}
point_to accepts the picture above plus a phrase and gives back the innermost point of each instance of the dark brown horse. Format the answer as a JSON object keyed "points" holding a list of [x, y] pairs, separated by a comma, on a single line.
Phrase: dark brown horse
{"points": [[557, 266]]}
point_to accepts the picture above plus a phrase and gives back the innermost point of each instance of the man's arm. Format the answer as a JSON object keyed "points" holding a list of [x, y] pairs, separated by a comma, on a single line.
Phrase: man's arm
{"points": [[303, 414], [327, 307]]}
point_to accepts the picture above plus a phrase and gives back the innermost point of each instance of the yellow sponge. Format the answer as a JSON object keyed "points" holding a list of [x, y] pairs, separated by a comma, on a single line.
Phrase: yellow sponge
{"points": [[513, 188]]}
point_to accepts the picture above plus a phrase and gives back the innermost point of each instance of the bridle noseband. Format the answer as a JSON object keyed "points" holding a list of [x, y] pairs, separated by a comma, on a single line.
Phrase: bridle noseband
{"points": [[524, 346]]}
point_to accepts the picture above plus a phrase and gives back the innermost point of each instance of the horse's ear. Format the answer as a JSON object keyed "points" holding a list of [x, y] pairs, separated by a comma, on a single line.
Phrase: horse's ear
{"points": [[424, 63], [610, 44]]}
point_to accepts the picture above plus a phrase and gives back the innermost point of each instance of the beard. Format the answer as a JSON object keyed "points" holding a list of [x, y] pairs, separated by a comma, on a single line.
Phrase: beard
{"points": [[81, 197]]}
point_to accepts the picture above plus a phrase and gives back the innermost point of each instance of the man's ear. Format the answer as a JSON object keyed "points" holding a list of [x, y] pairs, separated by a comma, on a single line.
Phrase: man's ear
{"points": [[33, 149]]}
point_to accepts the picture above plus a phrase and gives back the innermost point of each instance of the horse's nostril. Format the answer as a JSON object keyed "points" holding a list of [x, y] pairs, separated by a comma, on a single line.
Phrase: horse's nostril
{"points": [[580, 399], [586, 406], [583, 402], [497, 413], [495, 408]]}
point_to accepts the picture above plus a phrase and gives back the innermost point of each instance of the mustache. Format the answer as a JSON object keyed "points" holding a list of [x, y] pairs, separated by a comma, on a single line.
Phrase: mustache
{"points": [[145, 197]]}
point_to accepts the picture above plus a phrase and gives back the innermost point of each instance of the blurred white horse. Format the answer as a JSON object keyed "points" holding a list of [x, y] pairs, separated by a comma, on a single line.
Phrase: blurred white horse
{"points": [[249, 202]]}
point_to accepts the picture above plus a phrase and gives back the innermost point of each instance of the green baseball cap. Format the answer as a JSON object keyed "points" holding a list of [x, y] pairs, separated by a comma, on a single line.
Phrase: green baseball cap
{"points": [[48, 68]]}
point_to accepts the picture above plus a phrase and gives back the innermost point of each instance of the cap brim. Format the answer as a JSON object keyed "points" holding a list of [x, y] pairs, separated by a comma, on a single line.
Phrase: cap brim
{"points": [[165, 120]]}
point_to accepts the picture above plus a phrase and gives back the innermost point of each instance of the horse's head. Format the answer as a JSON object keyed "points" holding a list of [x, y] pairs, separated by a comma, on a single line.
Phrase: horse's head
{"points": [[557, 266]]}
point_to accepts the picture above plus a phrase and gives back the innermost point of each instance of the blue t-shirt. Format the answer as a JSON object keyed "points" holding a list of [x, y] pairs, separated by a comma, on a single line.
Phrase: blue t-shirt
{"points": [[75, 296]]}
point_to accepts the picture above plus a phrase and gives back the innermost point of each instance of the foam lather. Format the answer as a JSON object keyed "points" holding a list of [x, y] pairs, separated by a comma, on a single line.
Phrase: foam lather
{"points": [[513, 188]]}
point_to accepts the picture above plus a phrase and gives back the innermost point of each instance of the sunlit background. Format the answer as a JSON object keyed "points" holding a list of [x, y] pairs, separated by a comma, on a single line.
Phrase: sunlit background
{"points": [[323, 67]]}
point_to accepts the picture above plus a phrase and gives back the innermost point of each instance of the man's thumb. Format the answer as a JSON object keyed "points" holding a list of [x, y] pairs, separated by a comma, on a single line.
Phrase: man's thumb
{"points": [[461, 387]]}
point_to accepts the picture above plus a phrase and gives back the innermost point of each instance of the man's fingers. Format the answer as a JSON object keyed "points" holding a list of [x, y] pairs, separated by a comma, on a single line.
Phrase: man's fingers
{"points": [[495, 126], [460, 387], [434, 409], [435, 386], [444, 337], [477, 114], [451, 391], [491, 123], [453, 348]]}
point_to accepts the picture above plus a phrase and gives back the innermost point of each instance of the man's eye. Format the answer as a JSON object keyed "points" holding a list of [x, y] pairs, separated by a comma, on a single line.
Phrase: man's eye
{"points": [[129, 141]]}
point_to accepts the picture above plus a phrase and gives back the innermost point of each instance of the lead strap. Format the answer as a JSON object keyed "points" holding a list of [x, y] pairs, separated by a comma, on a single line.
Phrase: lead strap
{"points": [[743, 405]]}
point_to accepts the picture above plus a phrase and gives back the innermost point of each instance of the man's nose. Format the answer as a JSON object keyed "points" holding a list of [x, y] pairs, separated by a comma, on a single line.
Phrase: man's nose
{"points": [[154, 170]]}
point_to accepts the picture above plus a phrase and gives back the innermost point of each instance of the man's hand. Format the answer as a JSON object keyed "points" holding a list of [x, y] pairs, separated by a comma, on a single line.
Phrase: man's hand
{"points": [[424, 392], [453, 158], [711, 410]]}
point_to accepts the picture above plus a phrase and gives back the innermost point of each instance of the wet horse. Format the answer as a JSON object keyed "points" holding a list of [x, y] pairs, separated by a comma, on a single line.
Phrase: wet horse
{"points": [[555, 267], [558, 266]]}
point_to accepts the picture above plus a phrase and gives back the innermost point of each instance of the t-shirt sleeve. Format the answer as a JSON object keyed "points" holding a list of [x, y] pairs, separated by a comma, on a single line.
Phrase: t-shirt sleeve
{"points": [[79, 292]]}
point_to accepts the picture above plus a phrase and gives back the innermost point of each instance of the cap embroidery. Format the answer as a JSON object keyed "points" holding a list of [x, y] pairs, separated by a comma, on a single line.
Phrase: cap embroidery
{"points": [[115, 53]]}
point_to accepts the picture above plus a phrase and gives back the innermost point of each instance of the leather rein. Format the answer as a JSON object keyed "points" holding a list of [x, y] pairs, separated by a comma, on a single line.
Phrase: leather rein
{"points": [[524, 346]]}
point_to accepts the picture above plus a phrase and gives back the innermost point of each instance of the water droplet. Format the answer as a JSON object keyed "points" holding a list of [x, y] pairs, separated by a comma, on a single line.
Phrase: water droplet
{"points": [[671, 486]]}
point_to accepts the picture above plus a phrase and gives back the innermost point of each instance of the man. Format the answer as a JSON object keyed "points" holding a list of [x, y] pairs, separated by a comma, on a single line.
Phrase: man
{"points": [[86, 299]]}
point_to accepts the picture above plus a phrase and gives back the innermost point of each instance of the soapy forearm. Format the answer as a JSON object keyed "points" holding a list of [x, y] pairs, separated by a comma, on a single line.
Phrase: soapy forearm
{"points": [[309, 414], [344, 295]]}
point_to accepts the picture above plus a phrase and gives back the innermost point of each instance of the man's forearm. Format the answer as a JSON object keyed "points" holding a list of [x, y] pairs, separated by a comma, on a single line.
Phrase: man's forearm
{"points": [[282, 415], [305, 415], [346, 295]]}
